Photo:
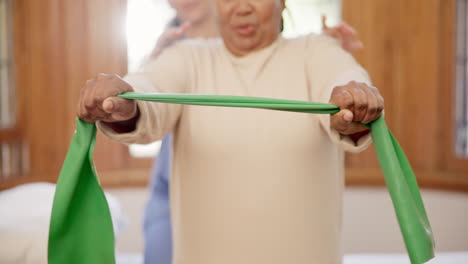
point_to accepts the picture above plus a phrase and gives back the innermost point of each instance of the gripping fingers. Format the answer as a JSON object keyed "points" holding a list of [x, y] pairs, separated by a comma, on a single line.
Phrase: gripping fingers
{"points": [[359, 107], [90, 107], [342, 123], [120, 109], [372, 106]]}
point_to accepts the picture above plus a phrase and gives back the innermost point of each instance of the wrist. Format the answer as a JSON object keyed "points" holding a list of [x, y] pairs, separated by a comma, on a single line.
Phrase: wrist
{"points": [[358, 135], [126, 126]]}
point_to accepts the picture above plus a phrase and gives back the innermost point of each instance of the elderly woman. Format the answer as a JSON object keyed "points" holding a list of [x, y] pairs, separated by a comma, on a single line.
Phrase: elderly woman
{"points": [[234, 197], [192, 21]]}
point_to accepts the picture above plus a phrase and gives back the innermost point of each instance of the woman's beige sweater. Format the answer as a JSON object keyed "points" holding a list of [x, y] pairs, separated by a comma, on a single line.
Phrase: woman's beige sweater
{"points": [[250, 186]]}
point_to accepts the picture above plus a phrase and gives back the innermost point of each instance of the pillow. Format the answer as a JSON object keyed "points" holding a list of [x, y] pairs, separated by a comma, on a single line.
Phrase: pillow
{"points": [[24, 222]]}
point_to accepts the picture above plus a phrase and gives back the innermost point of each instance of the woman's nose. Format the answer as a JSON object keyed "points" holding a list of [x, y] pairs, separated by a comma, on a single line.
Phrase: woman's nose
{"points": [[243, 7]]}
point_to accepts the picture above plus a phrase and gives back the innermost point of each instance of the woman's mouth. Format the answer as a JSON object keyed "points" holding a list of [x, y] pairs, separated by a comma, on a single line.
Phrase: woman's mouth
{"points": [[190, 6], [245, 30]]}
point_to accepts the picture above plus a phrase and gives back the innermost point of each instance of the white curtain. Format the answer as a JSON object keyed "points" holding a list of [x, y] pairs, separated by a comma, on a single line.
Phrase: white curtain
{"points": [[461, 98], [7, 92]]}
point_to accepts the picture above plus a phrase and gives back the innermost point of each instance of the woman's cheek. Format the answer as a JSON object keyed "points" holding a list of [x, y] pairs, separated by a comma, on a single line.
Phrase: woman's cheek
{"points": [[266, 10], [223, 8]]}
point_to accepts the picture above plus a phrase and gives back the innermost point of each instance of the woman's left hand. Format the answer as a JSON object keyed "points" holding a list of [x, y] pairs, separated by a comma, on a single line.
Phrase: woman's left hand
{"points": [[359, 104]]}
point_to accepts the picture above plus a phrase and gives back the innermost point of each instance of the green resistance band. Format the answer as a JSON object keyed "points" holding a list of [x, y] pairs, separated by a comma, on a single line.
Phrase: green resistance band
{"points": [[81, 226]]}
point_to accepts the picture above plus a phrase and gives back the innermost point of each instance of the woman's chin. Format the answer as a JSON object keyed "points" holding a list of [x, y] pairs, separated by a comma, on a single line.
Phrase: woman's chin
{"points": [[247, 44]]}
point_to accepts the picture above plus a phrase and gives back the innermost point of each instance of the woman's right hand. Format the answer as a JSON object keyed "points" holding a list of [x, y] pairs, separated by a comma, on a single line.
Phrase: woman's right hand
{"points": [[345, 33], [98, 102], [168, 38]]}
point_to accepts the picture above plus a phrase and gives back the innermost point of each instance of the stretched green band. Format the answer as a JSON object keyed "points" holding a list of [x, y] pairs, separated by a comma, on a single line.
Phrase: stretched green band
{"points": [[81, 226]]}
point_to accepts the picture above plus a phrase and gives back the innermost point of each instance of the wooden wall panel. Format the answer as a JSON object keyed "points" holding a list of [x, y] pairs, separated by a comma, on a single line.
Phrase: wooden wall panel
{"points": [[409, 55], [88, 53], [44, 127], [408, 52], [60, 44], [418, 73], [378, 57]]}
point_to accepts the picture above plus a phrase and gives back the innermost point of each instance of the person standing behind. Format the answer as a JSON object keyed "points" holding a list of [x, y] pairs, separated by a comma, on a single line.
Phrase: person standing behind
{"points": [[194, 19]]}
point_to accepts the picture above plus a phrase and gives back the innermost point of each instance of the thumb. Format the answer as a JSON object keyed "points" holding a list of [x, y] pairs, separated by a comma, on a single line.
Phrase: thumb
{"points": [[324, 22], [120, 108], [342, 121]]}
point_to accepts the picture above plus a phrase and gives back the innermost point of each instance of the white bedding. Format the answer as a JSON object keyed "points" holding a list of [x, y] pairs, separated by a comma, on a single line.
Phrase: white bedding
{"points": [[24, 222], [441, 258]]}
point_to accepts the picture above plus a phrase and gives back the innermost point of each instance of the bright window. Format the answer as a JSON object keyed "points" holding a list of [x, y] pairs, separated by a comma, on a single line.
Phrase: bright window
{"points": [[304, 16], [146, 21]]}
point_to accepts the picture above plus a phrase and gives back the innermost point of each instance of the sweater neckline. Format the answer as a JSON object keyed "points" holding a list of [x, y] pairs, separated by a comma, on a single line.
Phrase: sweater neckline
{"points": [[246, 59]]}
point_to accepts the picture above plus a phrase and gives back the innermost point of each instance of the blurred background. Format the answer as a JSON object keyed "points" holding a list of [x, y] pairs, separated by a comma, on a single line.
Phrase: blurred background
{"points": [[416, 52]]}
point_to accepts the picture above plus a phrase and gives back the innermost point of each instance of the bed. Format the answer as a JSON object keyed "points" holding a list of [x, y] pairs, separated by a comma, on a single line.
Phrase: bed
{"points": [[25, 215], [441, 258]]}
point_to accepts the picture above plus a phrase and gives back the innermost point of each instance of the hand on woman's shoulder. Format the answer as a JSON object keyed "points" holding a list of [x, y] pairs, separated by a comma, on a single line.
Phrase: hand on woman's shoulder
{"points": [[345, 34]]}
